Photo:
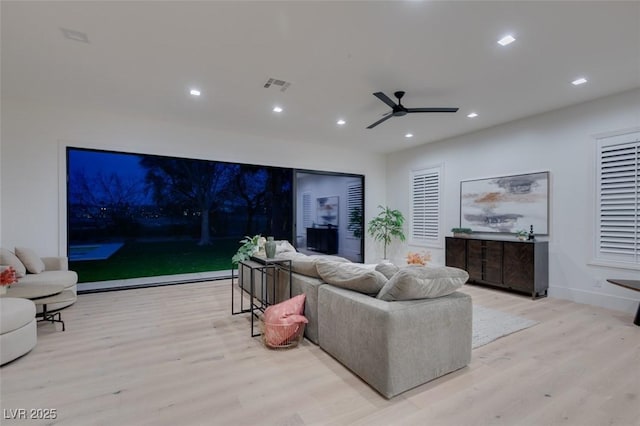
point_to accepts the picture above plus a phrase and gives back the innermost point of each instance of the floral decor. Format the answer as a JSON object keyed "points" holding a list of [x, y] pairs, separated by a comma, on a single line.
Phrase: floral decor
{"points": [[8, 277], [261, 244], [418, 258]]}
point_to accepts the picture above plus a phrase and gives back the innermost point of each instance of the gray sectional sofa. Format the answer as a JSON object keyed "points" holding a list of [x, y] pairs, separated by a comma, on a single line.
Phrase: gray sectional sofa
{"points": [[393, 345]]}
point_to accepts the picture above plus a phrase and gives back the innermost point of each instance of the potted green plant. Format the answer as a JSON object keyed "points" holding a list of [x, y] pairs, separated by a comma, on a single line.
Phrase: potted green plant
{"points": [[250, 246], [386, 226], [461, 232], [522, 234]]}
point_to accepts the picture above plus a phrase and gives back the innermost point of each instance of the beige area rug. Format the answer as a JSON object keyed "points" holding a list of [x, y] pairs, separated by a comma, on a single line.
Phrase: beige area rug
{"points": [[489, 325]]}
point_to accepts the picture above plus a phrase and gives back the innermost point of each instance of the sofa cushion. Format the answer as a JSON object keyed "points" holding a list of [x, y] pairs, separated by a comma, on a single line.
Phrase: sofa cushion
{"points": [[301, 263], [331, 257], [387, 269], [15, 313], [352, 276], [284, 246], [306, 265], [282, 321], [67, 278], [9, 259], [420, 282], [30, 259]]}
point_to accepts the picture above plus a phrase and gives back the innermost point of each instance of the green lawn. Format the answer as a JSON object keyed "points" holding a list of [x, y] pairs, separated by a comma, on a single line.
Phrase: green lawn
{"points": [[135, 260]]}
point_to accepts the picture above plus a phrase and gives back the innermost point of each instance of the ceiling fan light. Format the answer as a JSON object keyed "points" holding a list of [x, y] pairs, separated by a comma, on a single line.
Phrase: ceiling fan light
{"points": [[506, 40]]}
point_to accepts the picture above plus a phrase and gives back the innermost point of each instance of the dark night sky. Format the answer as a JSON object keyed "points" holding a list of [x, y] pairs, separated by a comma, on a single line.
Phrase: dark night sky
{"points": [[106, 163]]}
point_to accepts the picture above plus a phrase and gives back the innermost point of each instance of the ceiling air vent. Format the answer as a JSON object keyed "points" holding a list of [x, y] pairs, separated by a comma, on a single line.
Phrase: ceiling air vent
{"points": [[284, 85], [74, 35]]}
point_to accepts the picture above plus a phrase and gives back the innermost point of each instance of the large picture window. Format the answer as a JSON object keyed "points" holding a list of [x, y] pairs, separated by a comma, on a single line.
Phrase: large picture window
{"points": [[618, 200], [135, 215]]}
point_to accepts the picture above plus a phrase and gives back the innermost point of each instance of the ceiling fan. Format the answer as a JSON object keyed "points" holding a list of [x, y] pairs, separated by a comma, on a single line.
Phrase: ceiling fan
{"points": [[398, 110]]}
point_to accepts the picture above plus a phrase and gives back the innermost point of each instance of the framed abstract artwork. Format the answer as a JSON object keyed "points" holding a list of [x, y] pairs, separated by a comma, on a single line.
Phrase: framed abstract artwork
{"points": [[506, 204], [327, 210]]}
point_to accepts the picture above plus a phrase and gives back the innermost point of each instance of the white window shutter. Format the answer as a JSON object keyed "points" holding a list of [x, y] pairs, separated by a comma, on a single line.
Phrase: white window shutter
{"points": [[307, 221], [425, 206], [354, 201], [618, 205]]}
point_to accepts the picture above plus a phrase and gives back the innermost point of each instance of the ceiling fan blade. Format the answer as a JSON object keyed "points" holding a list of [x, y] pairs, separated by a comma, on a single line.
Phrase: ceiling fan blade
{"points": [[386, 117], [384, 98], [432, 109]]}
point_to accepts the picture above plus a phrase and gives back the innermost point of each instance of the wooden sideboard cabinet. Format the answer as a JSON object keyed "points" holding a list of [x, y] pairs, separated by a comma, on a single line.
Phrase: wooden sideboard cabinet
{"points": [[323, 240], [521, 266]]}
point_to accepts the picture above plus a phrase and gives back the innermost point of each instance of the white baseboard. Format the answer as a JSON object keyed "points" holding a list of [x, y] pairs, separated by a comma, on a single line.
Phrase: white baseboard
{"points": [[617, 303]]}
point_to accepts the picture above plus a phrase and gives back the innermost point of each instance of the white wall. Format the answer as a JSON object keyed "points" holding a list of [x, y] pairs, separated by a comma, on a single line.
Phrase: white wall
{"points": [[32, 194], [561, 142], [32, 168]]}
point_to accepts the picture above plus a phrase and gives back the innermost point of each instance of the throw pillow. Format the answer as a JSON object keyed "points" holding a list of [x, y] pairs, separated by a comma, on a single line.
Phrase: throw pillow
{"points": [[282, 322], [387, 269], [334, 258], [420, 282], [290, 255], [30, 259], [284, 246], [306, 265], [9, 259], [352, 276]]}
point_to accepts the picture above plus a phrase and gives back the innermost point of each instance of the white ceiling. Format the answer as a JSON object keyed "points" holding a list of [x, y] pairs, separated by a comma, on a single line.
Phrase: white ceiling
{"points": [[142, 58]]}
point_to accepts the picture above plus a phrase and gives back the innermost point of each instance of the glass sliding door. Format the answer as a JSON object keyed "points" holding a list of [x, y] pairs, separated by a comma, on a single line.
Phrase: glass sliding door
{"points": [[329, 214], [159, 219]]}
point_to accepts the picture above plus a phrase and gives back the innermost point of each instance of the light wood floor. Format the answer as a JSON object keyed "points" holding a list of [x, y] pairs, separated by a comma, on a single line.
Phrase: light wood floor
{"points": [[175, 356]]}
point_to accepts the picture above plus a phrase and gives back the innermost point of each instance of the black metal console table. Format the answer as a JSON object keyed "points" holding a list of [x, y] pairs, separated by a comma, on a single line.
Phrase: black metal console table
{"points": [[261, 293]]}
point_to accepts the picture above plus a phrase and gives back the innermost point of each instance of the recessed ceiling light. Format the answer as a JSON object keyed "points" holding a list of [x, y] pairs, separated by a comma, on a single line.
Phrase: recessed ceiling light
{"points": [[579, 81], [194, 92], [472, 115], [508, 39], [408, 135], [341, 122], [277, 109]]}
